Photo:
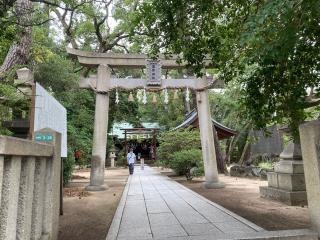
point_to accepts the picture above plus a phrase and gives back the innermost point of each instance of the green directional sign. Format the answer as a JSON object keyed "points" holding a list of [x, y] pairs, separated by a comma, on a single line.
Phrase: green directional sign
{"points": [[43, 137]]}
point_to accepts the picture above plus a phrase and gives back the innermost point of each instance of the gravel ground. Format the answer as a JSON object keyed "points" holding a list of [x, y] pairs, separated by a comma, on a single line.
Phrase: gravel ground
{"points": [[88, 215]]}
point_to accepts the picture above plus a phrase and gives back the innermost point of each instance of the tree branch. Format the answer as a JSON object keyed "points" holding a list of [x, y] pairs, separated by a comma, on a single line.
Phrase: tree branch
{"points": [[97, 25], [67, 28], [52, 4], [312, 102], [123, 46], [115, 42]]}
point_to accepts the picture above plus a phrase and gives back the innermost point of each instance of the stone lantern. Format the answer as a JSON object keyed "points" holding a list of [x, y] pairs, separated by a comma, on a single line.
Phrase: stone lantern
{"points": [[287, 182], [112, 156]]}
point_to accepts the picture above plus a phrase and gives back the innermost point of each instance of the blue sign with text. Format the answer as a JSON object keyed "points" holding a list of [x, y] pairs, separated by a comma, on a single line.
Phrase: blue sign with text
{"points": [[44, 137]]}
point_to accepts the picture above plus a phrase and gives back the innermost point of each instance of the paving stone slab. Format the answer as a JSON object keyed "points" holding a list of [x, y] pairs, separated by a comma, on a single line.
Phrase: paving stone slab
{"points": [[215, 236], [135, 202], [190, 218], [135, 232], [201, 229], [168, 231], [135, 238], [152, 197], [174, 238], [135, 197], [138, 221], [158, 209], [233, 226], [156, 206], [162, 219]]}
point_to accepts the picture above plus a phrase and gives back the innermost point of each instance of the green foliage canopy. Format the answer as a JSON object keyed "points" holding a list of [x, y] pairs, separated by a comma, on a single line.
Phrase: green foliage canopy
{"points": [[270, 47]]}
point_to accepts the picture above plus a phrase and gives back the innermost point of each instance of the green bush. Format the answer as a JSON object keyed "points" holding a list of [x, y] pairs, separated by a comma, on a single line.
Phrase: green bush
{"points": [[68, 165], [121, 158], [266, 165], [183, 161], [159, 163], [265, 161], [175, 141]]}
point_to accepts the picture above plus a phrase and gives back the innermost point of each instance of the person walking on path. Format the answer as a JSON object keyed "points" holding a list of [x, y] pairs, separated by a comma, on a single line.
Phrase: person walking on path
{"points": [[131, 157]]}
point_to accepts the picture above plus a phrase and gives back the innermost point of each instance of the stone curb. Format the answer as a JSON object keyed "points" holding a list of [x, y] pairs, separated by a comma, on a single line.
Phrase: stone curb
{"points": [[115, 225], [299, 234]]}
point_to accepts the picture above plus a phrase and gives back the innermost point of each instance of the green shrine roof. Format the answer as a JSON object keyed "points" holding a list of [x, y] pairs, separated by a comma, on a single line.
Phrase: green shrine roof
{"points": [[116, 128]]}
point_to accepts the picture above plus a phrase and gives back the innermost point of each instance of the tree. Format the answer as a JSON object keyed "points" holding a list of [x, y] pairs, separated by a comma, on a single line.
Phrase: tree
{"points": [[283, 64], [57, 73], [270, 47], [28, 36], [19, 52], [226, 109], [86, 24]]}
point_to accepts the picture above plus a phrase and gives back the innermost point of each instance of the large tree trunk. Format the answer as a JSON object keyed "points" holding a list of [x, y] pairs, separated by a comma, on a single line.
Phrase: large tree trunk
{"points": [[19, 51], [220, 161], [231, 144], [227, 151], [245, 153]]}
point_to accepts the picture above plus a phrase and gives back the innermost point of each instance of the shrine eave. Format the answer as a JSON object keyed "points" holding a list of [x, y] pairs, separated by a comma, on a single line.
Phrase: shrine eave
{"points": [[120, 60], [140, 130], [223, 132]]}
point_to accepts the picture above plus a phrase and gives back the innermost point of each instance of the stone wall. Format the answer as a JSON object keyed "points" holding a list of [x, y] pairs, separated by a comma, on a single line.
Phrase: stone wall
{"points": [[266, 145], [30, 187]]}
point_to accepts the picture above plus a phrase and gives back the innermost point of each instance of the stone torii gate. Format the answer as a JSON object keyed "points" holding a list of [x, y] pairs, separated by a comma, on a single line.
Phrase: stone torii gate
{"points": [[103, 83]]}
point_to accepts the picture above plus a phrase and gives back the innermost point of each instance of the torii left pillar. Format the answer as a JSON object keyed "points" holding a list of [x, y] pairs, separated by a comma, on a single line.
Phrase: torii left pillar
{"points": [[100, 131]]}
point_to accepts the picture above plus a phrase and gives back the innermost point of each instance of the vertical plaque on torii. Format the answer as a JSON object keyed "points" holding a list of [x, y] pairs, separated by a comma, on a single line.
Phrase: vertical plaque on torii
{"points": [[153, 72]]}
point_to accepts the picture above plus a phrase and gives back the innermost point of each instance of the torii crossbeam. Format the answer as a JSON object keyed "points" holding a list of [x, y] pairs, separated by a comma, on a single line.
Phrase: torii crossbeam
{"points": [[103, 83]]}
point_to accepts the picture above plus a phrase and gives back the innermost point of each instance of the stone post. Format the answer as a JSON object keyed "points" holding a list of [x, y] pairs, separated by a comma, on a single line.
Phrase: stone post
{"points": [[10, 196], [100, 131], [39, 193], [26, 198], [50, 190], [112, 156], [310, 146], [142, 163], [1, 174], [207, 141]]}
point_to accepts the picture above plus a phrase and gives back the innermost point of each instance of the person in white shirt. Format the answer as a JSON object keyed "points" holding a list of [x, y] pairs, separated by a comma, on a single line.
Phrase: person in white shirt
{"points": [[131, 157]]}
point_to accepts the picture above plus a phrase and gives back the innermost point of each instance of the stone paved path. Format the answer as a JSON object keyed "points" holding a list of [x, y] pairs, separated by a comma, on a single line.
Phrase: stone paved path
{"points": [[155, 207]]}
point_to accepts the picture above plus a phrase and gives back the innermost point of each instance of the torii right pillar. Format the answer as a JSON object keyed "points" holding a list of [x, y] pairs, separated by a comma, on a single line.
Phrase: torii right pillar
{"points": [[207, 141]]}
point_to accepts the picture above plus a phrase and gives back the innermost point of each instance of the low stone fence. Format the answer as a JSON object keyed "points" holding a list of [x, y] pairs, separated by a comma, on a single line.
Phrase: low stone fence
{"points": [[29, 187]]}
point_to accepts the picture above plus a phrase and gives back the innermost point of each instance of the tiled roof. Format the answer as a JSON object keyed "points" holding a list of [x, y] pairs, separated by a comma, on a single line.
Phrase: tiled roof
{"points": [[192, 117]]}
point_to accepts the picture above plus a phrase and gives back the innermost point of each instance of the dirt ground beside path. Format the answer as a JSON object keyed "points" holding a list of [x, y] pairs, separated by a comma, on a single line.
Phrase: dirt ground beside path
{"points": [[241, 196], [88, 215]]}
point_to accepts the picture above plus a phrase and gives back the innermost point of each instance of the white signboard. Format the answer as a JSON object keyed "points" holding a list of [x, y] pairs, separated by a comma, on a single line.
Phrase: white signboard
{"points": [[49, 113]]}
